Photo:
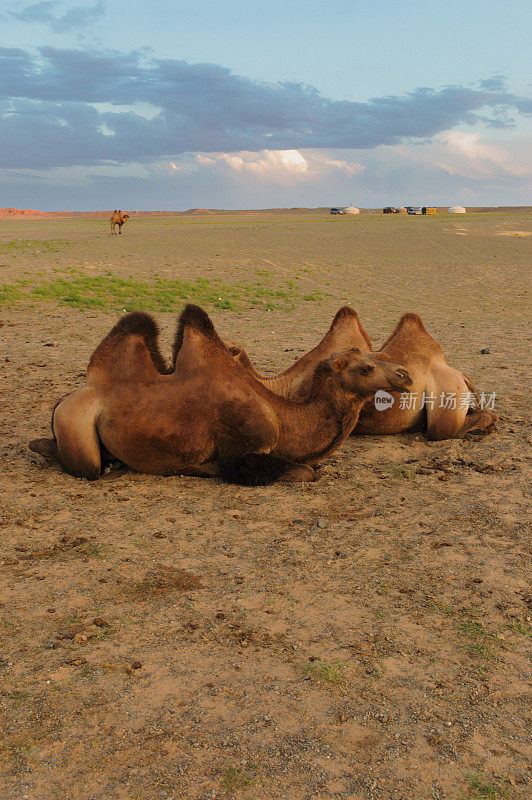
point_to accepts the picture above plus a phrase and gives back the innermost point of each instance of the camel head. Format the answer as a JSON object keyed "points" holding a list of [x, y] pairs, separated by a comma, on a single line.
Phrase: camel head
{"points": [[363, 375], [239, 355]]}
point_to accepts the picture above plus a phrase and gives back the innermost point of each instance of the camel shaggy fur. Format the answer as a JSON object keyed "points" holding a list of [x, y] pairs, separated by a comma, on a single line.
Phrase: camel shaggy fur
{"points": [[208, 416]]}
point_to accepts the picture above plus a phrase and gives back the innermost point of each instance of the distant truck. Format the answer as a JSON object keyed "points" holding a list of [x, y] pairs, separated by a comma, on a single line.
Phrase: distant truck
{"points": [[337, 211], [430, 210], [389, 210]]}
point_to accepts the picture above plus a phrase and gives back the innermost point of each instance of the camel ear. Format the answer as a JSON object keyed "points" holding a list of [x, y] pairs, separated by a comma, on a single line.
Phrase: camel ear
{"points": [[235, 350], [339, 364]]}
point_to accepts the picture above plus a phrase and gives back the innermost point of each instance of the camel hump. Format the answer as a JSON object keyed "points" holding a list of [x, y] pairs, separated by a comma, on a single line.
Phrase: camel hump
{"points": [[194, 318], [412, 319], [410, 327], [137, 324], [345, 329], [343, 313]]}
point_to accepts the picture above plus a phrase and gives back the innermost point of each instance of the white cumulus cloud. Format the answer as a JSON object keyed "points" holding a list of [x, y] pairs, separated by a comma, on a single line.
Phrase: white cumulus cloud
{"points": [[472, 156], [282, 166]]}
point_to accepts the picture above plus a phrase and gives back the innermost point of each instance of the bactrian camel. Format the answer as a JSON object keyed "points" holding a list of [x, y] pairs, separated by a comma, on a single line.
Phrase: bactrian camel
{"points": [[442, 398], [208, 416], [118, 219]]}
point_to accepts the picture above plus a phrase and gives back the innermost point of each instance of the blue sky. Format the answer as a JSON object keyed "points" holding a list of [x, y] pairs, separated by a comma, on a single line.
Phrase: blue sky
{"points": [[238, 104]]}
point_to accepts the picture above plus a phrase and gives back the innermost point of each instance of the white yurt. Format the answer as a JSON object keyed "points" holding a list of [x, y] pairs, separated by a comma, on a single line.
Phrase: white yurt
{"points": [[352, 210], [457, 210]]}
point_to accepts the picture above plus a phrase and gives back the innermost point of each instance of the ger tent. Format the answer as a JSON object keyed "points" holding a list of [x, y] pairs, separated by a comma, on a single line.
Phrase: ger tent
{"points": [[352, 210], [457, 210]]}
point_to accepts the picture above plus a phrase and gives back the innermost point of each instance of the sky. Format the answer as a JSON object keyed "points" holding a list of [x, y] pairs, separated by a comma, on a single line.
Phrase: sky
{"points": [[231, 104]]}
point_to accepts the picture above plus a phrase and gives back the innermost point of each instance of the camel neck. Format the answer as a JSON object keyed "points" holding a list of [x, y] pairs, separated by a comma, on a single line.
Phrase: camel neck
{"points": [[312, 429], [279, 384]]}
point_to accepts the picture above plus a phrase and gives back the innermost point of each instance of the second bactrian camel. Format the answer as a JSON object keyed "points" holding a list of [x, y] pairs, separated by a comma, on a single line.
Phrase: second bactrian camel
{"points": [[441, 398]]}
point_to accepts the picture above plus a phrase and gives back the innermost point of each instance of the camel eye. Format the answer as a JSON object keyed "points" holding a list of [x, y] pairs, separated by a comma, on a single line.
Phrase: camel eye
{"points": [[365, 370]]}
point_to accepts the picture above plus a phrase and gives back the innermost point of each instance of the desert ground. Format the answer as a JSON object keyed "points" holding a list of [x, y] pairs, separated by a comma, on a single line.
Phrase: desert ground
{"points": [[364, 637]]}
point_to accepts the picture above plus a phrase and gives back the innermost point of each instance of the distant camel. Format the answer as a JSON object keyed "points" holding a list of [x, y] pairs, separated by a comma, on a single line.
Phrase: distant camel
{"points": [[118, 219], [209, 417], [441, 397]]}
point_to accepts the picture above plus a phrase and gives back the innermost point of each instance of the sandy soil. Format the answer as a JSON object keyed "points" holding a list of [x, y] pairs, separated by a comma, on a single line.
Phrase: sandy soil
{"points": [[363, 637]]}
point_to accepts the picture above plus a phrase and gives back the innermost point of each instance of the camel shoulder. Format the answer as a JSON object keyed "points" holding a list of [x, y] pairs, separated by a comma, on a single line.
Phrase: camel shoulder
{"points": [[248, 422]]}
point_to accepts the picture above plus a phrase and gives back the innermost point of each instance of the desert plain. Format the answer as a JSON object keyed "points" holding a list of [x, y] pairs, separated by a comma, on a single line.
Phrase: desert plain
{"points": [[364, 637]]}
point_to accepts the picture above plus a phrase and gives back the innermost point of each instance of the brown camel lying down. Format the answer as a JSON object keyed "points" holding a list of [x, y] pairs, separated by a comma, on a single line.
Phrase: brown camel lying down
{"points": [[441, 397], [208, 416]]}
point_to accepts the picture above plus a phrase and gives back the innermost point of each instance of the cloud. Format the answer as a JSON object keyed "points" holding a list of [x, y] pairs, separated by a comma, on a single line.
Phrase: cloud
{"points": [[438, 172], [273, 166], [75, 17], [471, 156], [51, 111], [496, 83], [268, 162]]}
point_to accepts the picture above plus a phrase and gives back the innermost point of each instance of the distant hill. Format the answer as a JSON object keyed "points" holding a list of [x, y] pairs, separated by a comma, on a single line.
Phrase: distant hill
{"points": [[22, 212], [16, 213], [27, 212]]}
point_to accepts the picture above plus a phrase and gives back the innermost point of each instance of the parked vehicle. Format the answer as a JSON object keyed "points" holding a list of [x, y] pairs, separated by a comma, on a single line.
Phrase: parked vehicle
{"points": [[428, 210], [337, 211], [389, 210], [412, 210]]}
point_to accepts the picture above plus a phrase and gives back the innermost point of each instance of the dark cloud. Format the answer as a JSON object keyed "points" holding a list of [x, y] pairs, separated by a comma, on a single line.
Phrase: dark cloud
{"points": [[47, 117], [496, 83], [75, 17]]}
